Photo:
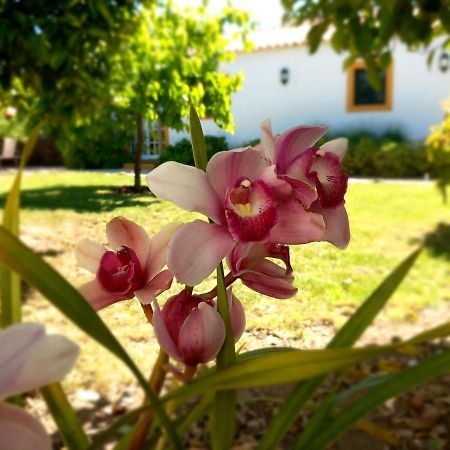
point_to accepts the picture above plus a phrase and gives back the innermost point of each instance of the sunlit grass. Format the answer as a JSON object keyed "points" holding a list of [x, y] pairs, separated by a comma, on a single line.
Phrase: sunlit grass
{"points": [[387, 222]]}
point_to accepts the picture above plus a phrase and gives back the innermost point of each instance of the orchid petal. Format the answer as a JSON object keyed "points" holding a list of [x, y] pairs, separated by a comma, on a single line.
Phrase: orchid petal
{"points": [[122, 232], [226, 169], [201, 335], [267, 139], [154, 287], [15, 342], [98, 297], [196, 249], [268, 285], [29, 358], [331, 180], [281, 189], [337, 229], [20, 431], [237, 315], [162, 334], [157, 255], [297, 226], [49, 360], [293, 142], [337, 146], [187, 187], [88, 254]]}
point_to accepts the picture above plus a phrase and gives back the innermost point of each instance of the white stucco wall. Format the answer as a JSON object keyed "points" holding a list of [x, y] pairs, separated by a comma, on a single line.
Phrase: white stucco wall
{"points": [[317, 94]]}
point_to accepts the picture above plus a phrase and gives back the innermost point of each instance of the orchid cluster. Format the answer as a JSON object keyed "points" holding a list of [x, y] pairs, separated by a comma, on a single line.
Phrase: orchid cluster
{"points": [[258, 201]]}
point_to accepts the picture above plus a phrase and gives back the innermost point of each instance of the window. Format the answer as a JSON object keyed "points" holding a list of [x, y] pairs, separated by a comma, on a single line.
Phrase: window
{"points": [[361, 96], [156, 139]]}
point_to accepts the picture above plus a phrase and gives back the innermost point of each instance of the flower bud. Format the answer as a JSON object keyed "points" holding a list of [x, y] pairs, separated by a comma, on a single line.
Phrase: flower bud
{"points": [[189, 329]]}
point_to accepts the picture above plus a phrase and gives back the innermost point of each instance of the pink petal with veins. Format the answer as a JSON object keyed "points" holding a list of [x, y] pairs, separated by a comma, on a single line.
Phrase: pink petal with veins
{"points": [[330, 179], [196, 249], [162, 333], [228, 168], [122, 232], [154, 287], [292, 143], [187, 187], [98, 297], [201, 336], [297, 226], [336, 146]]}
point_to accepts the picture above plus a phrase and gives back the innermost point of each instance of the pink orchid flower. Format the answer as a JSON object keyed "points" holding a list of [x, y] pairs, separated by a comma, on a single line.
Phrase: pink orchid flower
{"points": [[249, 263], [191, 330], [314, 173], [29, 359], [131, 269], [241, 194]]}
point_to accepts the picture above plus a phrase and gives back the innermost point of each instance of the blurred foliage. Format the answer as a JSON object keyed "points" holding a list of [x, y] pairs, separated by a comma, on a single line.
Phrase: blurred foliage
{"points": [[388, 154], [172, 60], [438, 151], [365, 28], [93, 71], [105, 144], [182, 150], [56, 56]]}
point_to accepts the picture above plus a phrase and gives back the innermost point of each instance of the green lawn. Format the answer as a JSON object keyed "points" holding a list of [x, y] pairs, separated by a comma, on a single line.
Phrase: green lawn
{"points": [[387, 220]]}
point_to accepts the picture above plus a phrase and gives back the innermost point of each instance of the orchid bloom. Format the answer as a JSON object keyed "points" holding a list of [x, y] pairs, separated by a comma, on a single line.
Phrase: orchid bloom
{"points": [[314, 173], [249, 263], [131, 269], [247, 202], [191, 330], [29, 359]]}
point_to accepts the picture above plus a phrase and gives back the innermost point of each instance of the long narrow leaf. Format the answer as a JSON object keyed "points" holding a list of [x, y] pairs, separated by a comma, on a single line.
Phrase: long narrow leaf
{"points": [[11, 305], [32, 268], [198, 140], [65, 417], [223, 411], [346, 337], [397, 384]]}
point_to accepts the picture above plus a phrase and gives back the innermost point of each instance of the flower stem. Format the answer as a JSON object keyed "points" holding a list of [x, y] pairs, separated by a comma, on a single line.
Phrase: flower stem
{"points": [[229, 279], [156, 382]]}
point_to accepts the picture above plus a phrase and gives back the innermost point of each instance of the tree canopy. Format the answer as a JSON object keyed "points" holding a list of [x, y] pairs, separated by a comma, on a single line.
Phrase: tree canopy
{"points": [[366, 28]]}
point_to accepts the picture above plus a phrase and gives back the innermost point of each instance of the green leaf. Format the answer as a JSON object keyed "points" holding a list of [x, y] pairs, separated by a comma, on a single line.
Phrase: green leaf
{"points": [[315, 36], [223, 411], [65, 417], [198, 140], [276, 368], [394, 385], [346, 337], [32, 268], [11, 305]]}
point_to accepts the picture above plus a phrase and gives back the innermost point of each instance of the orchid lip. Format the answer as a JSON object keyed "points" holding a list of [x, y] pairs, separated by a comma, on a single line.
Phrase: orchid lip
{"points": [[251, 211], [120, 272]]}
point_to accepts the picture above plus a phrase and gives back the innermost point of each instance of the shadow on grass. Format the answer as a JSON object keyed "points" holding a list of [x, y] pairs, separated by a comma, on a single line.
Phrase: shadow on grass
{"points": [[437, 242], [98, 198]]}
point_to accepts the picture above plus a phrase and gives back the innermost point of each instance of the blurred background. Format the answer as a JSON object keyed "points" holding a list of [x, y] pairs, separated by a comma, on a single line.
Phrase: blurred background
{"points": [[110, 83]]}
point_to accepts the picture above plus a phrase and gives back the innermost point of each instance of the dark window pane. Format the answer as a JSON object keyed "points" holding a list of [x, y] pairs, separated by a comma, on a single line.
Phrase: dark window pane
{"points": [[365, 94]]}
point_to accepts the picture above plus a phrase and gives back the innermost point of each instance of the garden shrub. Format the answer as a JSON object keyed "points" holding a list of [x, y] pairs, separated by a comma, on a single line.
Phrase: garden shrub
{"points": [[388, 155], [182, 151], [103, 144], [438, 151]]}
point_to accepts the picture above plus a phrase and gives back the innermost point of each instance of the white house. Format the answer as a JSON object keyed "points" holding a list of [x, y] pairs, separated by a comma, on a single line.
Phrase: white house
{"points": [[284, 82]]}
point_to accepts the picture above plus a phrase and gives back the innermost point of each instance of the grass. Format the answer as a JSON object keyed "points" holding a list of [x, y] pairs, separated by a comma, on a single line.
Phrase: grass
{"points": [[388, 220]]}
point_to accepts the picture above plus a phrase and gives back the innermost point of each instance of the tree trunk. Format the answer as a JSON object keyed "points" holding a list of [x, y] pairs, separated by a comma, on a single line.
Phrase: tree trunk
{"points": [[139, 151]]}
